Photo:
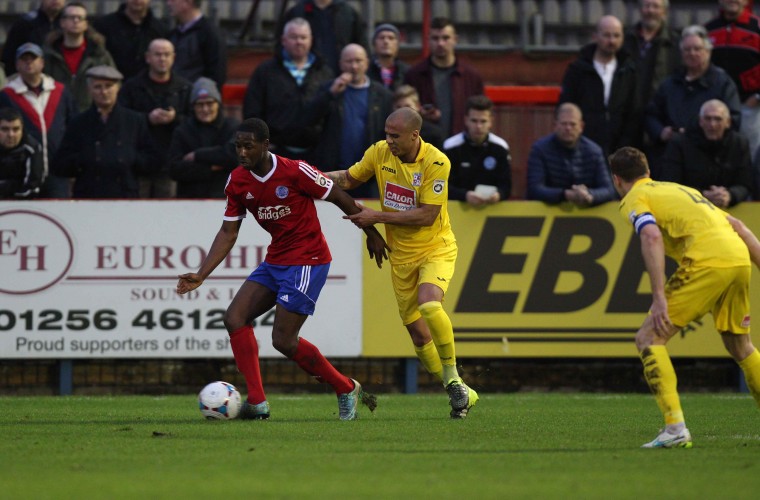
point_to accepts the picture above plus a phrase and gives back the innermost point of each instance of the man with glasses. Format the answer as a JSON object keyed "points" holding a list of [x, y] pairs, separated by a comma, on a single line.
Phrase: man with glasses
{"points": [[163, 97], [74, 49]]}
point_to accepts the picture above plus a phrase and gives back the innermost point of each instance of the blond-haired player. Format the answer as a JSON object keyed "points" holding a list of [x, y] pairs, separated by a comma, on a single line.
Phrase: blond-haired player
{"points": [[713, 276], [412, 177]]}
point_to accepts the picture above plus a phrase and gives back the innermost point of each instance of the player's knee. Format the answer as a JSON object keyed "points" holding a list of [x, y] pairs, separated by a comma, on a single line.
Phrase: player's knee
{"points": [[232, 321], [285, 345], [430, 308]]}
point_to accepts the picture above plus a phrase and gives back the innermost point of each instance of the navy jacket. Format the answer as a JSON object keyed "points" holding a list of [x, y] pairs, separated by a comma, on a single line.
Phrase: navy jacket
{"points": [[677, 101], [552, 168]]}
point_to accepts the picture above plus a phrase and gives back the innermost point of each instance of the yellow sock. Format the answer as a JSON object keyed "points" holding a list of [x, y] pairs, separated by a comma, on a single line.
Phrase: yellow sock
{"points": [[428, 356], [751, 368], [661, 377], [443, 337]]}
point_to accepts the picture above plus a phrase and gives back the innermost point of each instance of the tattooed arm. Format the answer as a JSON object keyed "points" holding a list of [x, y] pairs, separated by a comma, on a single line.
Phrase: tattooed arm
{"points": [[342, 179]]}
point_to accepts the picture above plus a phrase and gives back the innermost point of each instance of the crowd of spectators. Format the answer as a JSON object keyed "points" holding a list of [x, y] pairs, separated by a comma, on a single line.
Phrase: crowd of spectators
{"points": [[127, 106]]}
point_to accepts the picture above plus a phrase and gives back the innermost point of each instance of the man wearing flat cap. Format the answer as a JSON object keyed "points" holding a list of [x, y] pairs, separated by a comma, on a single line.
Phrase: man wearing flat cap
{"points": [[108, 146], [385, 66], [46, 107]]}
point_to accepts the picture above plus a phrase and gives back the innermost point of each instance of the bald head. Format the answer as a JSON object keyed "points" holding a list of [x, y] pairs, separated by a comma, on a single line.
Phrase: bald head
{"points": [[608, 37], [353, 60], [407, 118], [714, 119], [402, 133], [608, 23]]}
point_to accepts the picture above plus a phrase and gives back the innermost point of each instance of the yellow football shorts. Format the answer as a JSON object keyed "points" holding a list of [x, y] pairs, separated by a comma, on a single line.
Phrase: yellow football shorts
{"points": [[436, 267], [724, 292]]}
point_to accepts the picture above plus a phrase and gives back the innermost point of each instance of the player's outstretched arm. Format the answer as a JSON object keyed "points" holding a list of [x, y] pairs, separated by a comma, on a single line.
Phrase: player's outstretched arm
{"points": [[376, 246], [424, 215], [223, 243], [749, 238]]}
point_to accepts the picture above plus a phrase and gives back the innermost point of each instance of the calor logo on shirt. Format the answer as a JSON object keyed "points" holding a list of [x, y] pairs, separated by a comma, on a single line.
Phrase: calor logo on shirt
{"points": [[399, 197]]}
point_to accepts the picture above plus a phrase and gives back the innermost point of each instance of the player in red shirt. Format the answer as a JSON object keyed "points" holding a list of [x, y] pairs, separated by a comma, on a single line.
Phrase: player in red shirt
{"points": [[280, 193]]}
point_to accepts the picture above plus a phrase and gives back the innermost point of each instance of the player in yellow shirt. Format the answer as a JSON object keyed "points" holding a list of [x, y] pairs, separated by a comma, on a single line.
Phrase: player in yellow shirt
{"points": [[713, 276], [412, 177]]}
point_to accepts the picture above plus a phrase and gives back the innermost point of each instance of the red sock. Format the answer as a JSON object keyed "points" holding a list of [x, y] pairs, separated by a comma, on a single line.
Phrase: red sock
{"points": [[312, 362], [246, 352]]}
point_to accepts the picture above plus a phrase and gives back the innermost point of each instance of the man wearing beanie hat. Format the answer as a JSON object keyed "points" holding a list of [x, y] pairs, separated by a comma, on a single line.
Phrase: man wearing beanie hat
{"points": [[205, 87], [202, 154], [385, 66]]}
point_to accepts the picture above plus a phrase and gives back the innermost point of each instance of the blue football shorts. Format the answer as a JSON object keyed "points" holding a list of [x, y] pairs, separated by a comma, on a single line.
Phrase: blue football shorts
{"points": [[297, 287]]}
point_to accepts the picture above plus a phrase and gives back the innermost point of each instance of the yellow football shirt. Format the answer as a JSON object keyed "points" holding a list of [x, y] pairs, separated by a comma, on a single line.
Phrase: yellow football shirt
{"points": [[695, 232], [404, 186]]}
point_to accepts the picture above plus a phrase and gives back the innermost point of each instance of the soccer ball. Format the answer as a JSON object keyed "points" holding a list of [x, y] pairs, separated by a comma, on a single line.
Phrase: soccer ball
{"points": [[219, 401]]}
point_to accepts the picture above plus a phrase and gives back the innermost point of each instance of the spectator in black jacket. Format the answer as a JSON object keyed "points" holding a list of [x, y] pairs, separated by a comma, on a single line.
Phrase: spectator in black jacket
{"points": [[279, 88], [602, 82], [164, 98], [107, 146], [353, 110], [201, 50], [128, 32], [202, 154], [32, 27], [711, 158], [21, 168], [480, 160]]}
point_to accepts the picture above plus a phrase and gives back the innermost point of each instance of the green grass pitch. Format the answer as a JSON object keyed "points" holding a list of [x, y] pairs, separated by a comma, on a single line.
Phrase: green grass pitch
{"points": [[535, 445]]}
